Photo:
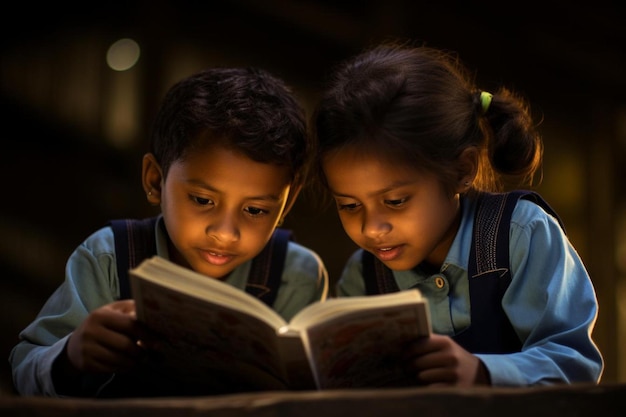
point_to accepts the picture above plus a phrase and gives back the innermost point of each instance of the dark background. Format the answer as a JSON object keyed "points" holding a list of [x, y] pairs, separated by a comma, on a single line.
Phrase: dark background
{"points": [[74, 131]]}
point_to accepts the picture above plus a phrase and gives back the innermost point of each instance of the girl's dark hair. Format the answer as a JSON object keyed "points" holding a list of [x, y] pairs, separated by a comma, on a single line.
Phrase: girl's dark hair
{"points": [[419, 106], [246, 109]]}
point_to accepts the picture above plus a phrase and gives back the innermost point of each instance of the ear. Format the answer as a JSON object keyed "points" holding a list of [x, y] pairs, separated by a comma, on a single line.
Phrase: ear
{"points": [[467, 164], [152, 179], [291, 199]]}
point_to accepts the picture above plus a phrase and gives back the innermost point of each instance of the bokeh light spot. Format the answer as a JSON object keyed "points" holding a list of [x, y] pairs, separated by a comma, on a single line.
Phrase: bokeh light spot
{"points": [[123, 54]]}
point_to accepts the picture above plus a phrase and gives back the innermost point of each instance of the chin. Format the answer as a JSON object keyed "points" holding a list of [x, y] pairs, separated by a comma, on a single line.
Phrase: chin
{"points": [[400, 265]]}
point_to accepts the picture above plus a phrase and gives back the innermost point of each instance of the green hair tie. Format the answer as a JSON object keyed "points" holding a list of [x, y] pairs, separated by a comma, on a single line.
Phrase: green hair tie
{"points": [[485, 100]]}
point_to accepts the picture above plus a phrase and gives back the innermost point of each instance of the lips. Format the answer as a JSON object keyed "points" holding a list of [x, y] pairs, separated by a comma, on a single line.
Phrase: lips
{"points": [[216, 257], [388, 253]]}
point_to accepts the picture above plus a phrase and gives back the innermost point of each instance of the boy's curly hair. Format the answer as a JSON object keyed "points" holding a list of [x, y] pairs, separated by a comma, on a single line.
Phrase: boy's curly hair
{"points": [[246, 109]]}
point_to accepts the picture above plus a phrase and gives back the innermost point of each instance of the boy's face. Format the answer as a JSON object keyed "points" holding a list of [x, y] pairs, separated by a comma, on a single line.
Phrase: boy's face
{"points": [[395, 212], [220, 208]]}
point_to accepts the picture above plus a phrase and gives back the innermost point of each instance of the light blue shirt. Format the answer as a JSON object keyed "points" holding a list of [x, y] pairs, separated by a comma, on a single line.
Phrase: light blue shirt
{"points": [[551, 302], [91, 281]]}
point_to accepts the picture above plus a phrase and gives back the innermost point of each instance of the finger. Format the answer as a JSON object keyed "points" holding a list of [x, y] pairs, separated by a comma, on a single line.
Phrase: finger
{"points": [[114, 337], [123, 306], [426, 345], [436, 375], [437, 359], [115, 320]]}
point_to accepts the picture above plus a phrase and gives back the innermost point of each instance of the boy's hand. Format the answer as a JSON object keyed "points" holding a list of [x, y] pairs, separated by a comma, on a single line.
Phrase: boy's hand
{"points": [[106, 341], [438, 360]]}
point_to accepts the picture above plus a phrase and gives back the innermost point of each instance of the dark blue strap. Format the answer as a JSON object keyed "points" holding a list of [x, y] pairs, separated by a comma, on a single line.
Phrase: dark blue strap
{"points": [[490, 275], [134, 241], [490, 241], [267, 267], [378, 277], [490, 330]]}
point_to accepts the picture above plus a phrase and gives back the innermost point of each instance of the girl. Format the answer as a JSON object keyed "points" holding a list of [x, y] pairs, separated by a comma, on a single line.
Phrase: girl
{"points": [[411, 151]]}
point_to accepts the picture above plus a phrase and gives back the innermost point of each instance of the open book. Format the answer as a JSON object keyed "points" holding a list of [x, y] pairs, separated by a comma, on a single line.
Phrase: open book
{"points": [[209, 329]]}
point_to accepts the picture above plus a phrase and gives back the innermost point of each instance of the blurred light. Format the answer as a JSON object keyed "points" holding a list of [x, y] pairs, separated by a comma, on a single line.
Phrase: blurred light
{"points": [[123, 54]]}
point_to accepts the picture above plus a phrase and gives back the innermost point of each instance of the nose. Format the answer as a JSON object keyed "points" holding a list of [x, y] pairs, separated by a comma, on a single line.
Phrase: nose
{"points": [[375, 225], [223, 227]]}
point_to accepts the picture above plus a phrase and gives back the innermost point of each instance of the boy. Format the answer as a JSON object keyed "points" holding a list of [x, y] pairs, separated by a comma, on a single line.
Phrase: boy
{"points": [[229, 156]]}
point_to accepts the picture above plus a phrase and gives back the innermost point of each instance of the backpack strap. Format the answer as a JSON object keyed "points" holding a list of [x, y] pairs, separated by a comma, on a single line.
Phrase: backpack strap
{"points": [[134, 241], [378, 277], [267, 267], [489, 273], [490, 240]]}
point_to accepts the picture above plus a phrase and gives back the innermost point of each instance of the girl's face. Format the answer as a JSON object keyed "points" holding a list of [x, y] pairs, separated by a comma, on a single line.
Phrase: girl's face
{"points": [[398, 213], [220, 208]]}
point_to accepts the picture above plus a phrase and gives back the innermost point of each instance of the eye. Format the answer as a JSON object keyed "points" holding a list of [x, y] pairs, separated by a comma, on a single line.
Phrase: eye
{"points": [[202, 201], [399, 202], [255, 211], [348, 207]]}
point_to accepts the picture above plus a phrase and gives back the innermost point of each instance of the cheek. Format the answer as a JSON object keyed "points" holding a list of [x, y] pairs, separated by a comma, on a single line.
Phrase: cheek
{"points": [[171, 198], [351, 225]]}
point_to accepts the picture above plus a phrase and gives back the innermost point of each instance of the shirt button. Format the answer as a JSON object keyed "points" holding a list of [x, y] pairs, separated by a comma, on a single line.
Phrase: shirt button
{"points": [[439, 282]]}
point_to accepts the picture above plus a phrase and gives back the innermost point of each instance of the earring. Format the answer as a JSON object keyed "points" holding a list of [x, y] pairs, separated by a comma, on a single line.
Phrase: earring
{"points": [[150, 193]]}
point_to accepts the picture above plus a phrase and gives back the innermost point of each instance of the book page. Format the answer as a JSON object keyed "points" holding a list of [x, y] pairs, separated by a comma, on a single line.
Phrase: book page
{"points": [[198, 340], [363, 349], [296, 363], [194, 284], [320, 311]]}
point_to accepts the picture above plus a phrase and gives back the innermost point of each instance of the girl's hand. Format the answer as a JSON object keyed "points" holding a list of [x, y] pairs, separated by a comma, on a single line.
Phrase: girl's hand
{"points": [[439, 361], [106, 341]]}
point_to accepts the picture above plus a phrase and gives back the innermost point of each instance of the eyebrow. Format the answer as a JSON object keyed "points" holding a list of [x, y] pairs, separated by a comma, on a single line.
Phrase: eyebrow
{"points": [[266, 197], [391, 187]]}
